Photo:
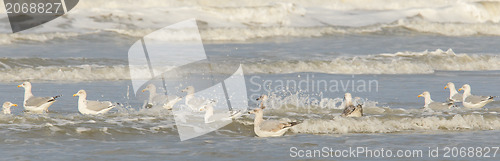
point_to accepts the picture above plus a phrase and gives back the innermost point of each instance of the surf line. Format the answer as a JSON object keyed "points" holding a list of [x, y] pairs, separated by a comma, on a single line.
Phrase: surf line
{"points": [[311, 84]]}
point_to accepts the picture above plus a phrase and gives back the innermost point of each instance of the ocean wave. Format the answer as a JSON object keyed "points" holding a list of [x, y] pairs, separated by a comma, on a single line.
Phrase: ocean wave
{"points": [[392, 124], [82, 69], [239, 21], [398, 63], [129, 121]]}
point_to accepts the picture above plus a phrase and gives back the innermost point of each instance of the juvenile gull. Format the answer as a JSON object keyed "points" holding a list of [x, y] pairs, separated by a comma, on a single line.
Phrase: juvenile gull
{"points": [[350, 110], [454, 95], [6, 107], [92, 107], [434, 105], [35, 104], [268, 128], [471, 101], [157, 99], [192, 102]]}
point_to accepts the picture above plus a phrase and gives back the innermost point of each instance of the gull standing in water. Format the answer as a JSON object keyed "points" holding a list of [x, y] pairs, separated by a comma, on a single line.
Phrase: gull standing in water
{"points": [[192, 102], [36, 104], [156, 99], [350, 110], [471, 101], [6, 107], [268, 128], [434, 105], [92, 107], [209, 111], [454, 95]]}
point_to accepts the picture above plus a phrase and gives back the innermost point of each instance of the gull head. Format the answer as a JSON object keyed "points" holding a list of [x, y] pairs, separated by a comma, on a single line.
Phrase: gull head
{"points": [[80, 93], [449, 85], [149, 87], [210, 104], [25, 85], [255, 111], [262, 98], [347, 96], [8, 104], [189, 89], [465, 87], [424, 94]]}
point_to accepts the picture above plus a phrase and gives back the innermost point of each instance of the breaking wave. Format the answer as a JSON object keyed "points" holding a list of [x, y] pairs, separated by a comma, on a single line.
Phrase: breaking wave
{"points": [[83, 69], [239, 21]]}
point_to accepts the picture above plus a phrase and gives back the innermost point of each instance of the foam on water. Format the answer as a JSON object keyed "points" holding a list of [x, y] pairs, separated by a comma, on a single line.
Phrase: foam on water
{"points": [[407, 62], [129, 121], [391, 124], [231, 20]]}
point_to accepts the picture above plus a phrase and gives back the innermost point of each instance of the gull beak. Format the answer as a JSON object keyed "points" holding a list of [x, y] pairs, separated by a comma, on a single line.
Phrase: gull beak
{"points": [[19, 85], [445, 87], [420, 95], [143, 90], [460, 89], [75, 95], [14, 104]]}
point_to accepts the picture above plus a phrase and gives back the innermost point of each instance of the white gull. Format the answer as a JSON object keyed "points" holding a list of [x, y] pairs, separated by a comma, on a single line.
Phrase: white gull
{"points": [[434, 105], [6, 107], [454, 95], [471, 101], [35, 104], [157, 99], [92, 107], [193, 102]]}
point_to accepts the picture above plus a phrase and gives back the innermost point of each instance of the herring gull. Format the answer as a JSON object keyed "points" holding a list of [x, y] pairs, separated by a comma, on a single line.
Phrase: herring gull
{"points": [[36, 104], [92, 107], [471, 101], [434, 105], [157, 99], [6, 107], [454, 95], [195, 103]]}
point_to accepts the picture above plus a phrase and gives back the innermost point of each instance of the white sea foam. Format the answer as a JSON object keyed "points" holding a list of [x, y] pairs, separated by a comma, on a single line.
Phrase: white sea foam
{"points": [[398, 63], [391, 124], [426, 62], [234, 20]]}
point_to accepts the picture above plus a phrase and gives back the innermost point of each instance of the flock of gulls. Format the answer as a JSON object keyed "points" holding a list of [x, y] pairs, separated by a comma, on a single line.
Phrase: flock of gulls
{"points": [[262, 128], [468, 100]]}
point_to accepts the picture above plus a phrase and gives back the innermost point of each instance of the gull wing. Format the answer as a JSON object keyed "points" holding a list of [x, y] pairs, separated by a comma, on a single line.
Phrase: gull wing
{"points": [[98, 105], [477, 99], [39, 101]]}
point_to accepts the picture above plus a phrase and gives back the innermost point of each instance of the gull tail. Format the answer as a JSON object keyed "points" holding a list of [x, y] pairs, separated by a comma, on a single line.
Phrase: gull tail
{"points": [[290, 124], [115, 104], [54, 98]]}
